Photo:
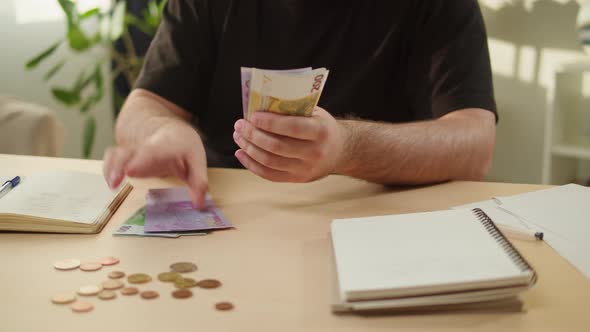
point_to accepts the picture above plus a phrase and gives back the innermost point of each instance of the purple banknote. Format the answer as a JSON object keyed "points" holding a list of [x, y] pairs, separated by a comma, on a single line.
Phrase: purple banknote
{"points": [[171, 210]]}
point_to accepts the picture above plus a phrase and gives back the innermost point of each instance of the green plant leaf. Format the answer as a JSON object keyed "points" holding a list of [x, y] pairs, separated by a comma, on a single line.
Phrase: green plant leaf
{"points": [[98, 80], [34, 62], [88, 136], [89, 13], [153, 9], [67, 97], [54, 70], [86, 105], [161, 6], [131, 19], [118, 21], [69, 8], [77, 39], [82, 82]]}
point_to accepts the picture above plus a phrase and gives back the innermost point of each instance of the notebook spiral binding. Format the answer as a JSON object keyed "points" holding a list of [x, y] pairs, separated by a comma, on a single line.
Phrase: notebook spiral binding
{"points": [[504, 243]]}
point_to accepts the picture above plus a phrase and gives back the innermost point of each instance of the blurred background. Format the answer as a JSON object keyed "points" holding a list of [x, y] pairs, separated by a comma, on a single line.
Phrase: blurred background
{"points": [[66, 69]]}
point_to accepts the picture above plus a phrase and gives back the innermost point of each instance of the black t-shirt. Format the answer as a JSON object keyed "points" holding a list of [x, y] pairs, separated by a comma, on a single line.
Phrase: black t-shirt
{"points": [[392, 61]]}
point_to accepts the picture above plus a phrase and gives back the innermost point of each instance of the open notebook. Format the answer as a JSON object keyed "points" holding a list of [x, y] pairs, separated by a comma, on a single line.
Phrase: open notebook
{"points": [[424, 260], [60, 202]]}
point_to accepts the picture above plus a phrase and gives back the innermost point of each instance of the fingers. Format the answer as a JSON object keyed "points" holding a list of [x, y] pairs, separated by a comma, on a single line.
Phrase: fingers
{"points": [[145, 163], [299, 127], [196, 179], [266, 158], [115, 162], [261, 170], [279, 145]]}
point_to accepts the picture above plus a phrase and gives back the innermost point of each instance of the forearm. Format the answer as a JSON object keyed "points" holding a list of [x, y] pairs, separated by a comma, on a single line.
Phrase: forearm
{"points": [[458, 146], [143, 114]]}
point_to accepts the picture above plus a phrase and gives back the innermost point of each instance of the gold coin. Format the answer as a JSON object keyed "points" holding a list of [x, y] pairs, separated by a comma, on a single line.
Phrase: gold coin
{"points": [[67, 264], [116, 274], [185, 282], [182, 293], [139, 278], [149, 294], [224, 306], [63, 298], [112, 284], [183, 267], [109, 261], [91, 266], [209, 283], [80, 306], [89, 290], [168, 276], [107, 295], [129, 291]]}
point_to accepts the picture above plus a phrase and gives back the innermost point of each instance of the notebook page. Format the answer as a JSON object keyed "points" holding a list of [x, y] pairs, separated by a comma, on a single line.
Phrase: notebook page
{"points": [[499, 216], [69, 196], [416, 250], [562, 212]]}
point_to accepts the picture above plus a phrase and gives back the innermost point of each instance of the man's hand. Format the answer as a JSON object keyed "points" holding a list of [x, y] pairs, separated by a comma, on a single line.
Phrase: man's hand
{"points": [[174, 149], [290, 148]]}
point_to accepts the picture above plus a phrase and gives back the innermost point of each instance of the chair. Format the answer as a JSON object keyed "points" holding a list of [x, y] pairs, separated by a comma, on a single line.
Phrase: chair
{"points": [[29, 129]]}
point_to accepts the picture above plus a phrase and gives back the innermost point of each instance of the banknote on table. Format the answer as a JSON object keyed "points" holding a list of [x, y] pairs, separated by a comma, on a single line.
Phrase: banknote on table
{"points": [[134, 226], [287, 92], [171, 210]]}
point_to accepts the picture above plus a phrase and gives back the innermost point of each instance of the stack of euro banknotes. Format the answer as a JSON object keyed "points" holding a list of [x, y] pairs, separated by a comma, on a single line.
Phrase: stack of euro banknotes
{"points": [[287, 92], [169, 212]]}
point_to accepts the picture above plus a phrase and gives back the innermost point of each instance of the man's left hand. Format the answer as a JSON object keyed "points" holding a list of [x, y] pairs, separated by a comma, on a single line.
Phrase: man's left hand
{"points": [[291, 148]]}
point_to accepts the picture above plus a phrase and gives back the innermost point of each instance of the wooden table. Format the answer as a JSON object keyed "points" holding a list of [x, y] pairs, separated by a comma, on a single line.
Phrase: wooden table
{"points": [[274, 265]]}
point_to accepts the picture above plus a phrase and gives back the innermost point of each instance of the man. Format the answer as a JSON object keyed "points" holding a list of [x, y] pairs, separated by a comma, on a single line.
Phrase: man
{"points": [[409, 98]]}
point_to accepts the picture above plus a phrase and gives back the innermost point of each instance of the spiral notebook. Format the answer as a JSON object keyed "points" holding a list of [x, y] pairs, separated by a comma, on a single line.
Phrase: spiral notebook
{"points": [[424, 259]]}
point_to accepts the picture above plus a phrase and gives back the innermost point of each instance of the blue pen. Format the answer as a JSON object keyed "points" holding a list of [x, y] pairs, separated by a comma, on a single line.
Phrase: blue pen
{"points": [[8, 185]]}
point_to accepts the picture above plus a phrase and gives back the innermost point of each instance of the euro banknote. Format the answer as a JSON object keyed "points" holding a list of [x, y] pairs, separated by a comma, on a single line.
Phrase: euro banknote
{"points": [[287, 92], [171, 210]]}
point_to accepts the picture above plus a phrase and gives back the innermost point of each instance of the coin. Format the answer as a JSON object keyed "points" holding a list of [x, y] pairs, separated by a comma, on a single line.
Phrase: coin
{"points": [[209, 283], [107, 295], [80, 306], [108, 260], [224, 306], [116, 274], [139, 278], [129, 291], [182, 293], [149, 294], [168, 276], [183, 267], [67, 264], [185, 282], [112, 284], [90, 266], [63, 298], [89, 290]]}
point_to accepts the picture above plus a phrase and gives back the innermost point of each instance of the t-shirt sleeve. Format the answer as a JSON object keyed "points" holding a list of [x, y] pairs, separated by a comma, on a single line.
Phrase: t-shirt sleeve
{"points": [[176, 64], [460, 73]]}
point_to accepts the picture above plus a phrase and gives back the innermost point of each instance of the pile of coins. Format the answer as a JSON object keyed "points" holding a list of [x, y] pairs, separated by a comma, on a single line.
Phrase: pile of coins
{"points": [[107, 289]]}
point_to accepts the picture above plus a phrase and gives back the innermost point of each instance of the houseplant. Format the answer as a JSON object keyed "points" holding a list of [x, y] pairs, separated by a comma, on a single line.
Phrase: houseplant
{"points": [[82, 37]]}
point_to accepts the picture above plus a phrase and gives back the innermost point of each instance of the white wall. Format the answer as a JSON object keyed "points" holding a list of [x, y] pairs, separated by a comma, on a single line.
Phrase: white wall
{"points": [[22, 41], [527, 40]]}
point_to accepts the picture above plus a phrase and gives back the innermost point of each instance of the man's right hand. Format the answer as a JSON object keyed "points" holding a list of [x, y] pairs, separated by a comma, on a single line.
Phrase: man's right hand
{"points": [[174, 149]]}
